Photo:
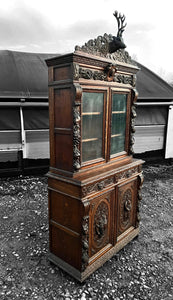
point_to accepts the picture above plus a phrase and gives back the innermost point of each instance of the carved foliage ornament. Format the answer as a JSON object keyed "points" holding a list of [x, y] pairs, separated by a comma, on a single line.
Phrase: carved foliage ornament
{"points": [[126, 174], [100, 47], [109, 46], [100, 224], [85, 241], [76, 128], [125, 208], [98, 186], [133, 117], [109, 74], [85, 236], [139, 196]]}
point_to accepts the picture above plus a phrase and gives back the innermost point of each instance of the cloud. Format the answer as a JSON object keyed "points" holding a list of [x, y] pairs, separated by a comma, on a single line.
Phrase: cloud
{"points": [[22, 27], [139, 32], [27, 29]]}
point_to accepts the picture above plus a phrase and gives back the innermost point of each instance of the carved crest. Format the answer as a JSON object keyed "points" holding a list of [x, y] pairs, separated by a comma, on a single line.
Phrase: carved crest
{"points": [[109, 46]]}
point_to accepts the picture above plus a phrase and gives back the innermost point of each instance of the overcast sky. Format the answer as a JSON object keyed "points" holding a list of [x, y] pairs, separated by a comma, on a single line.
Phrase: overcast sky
{"points": [[53, 26]]}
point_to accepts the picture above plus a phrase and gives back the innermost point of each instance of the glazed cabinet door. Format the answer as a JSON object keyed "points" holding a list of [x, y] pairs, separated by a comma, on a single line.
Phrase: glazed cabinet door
{"points": [[101, 220], [119, 123], [93, 123], [127, 206]]}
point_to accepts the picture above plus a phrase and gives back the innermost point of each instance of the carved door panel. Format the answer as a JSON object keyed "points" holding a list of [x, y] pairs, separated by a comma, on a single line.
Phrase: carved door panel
{"points": [[101, 223], [126, 205]]}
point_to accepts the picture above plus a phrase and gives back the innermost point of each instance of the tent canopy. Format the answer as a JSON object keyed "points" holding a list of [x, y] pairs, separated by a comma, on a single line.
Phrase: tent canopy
{"points": [[151, 86], [25, 75]]}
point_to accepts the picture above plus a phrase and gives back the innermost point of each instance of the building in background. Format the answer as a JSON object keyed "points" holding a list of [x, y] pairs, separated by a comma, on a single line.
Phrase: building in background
{"points": [[24, 119], [154, 114]]}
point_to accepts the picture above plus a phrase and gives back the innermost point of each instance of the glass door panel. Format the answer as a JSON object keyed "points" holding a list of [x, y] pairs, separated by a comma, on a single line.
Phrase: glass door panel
{"points": [[118, 125], [92, 125]]}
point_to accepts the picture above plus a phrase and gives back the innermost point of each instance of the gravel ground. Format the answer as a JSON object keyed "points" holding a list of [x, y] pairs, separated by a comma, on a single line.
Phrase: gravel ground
{"points": [[142, 270]]}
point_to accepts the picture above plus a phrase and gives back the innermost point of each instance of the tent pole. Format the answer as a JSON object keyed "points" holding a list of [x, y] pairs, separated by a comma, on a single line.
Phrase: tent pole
{"points": [[23, 136]]}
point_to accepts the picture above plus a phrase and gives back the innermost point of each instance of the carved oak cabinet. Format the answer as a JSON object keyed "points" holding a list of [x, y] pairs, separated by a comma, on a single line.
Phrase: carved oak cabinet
{"points": [[94, 183]]}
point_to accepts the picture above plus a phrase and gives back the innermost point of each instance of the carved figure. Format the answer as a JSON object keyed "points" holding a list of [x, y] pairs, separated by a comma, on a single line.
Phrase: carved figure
{"points": [[117, 42]]}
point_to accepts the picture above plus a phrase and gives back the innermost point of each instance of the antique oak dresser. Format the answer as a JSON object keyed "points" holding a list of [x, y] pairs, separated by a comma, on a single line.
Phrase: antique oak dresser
{"points": [[94, 183]]}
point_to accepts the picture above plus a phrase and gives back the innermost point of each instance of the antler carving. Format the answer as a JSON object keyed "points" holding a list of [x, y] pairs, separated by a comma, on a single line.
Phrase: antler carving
{"points": [[120, 20], [107, 44]]}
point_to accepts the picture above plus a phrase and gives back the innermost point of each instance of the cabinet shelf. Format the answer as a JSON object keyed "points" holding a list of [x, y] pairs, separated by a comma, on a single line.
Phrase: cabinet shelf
{"points": [[89, 140], [115, 135], [119, 112], [91, 113]]}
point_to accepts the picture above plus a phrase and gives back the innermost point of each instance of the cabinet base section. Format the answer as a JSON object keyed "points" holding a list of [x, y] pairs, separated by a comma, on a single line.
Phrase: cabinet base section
{"points": [[81, 276]]}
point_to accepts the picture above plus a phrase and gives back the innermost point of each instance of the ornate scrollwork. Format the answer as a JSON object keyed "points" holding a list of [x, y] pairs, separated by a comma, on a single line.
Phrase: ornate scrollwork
{"points": [[85, 241], [128, 204], [134, 81], [75, 71], [126, 174], [109, 74], [139, 196], [85, 236], [100, 224], [109, 46], [125, 208], [100, 47], [76, 137], [133, 117], [76, 128], [97, 186], [123, 79]]}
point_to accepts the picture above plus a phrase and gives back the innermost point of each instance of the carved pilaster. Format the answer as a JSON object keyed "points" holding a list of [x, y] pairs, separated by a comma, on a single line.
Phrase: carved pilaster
{"points": [[76, 127], [133, 117], [85, 236], [139, 197], [75, 71]]}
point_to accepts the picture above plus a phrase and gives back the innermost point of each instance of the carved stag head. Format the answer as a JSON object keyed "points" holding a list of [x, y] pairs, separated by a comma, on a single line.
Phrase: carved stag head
{"points": [[117, 42]]}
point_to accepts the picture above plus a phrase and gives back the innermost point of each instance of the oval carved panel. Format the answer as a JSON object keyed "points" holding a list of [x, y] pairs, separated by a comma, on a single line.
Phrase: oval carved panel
{"points": [[101, 224], [125, 208]]}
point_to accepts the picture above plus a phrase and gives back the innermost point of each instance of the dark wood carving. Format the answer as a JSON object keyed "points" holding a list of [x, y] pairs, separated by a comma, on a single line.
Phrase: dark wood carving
{"points": [[98, 186], [100, 225], [139, 197], [126, 174], [76, 128], [108, 45], [100, 47], [133, 117], [125, 209], [118, 42], [85, 236], [109, 74], [75, 71]]}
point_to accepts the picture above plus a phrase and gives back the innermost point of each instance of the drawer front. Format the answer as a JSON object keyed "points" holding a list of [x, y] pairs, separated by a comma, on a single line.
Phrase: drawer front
{"points": [[127, 202]]}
